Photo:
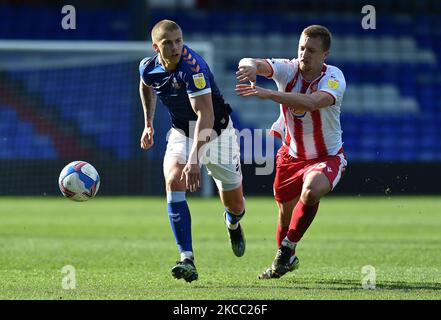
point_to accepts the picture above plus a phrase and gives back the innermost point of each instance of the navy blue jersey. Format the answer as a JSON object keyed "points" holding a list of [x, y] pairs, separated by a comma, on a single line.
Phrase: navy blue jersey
{"points": [[191, 78]]}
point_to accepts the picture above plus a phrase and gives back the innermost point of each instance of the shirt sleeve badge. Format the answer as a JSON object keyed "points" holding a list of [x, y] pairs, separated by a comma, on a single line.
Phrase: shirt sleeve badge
{"points": [[333, 83], [199, 80]]}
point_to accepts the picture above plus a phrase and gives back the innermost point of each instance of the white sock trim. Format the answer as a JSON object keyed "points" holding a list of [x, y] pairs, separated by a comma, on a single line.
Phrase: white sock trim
{"points": [[175, 196], [287, 243], [187, 255], [236, 225], [229, 224], [232, 226]]}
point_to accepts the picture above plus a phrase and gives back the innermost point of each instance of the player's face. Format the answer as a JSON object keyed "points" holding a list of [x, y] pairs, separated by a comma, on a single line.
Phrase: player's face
{"points": [[169, 46], [310, 53]]}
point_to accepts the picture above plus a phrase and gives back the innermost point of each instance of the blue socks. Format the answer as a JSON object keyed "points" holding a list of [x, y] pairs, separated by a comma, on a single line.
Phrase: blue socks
{"points": [[180, 221], [233, 220]]}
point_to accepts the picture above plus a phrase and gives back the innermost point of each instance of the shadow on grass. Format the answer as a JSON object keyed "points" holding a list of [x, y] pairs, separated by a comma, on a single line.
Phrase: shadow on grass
{"points": [[349, 284], [331, 284]]}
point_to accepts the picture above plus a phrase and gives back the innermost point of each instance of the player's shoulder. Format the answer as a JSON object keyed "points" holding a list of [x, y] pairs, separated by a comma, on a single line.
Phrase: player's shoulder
{"points": [[334, 71], [333, 79], [190, 53], [192, 62], [146, 63]]}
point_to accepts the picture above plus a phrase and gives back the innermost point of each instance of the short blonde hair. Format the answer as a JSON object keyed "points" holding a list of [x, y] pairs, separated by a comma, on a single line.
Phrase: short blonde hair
{"points": [[163, 26], [318, 31]]}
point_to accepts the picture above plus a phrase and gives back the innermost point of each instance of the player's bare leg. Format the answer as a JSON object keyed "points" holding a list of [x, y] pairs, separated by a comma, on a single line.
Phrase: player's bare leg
{"points": [[172, 174], [315, 186], [285, 214], [234, 203], [180, 219], [233, 200]]}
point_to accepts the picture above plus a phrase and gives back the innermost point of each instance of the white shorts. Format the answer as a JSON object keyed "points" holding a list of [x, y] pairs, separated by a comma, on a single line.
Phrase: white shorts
{"points": [[221, 156]]}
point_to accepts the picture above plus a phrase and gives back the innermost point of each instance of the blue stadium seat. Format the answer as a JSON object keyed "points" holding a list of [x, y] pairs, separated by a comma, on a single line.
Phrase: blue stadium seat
{"points": [[370, 135]]}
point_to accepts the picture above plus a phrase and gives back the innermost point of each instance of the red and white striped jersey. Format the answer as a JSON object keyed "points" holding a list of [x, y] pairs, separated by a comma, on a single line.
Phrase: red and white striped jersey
{"points": [[309, 135]]}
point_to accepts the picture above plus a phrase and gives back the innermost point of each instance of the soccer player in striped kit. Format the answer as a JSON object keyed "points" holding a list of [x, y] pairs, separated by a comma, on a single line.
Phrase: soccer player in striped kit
{"points": [[311, 160]]}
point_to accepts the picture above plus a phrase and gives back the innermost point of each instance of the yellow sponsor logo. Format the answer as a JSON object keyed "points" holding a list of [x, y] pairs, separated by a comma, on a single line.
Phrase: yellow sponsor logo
{"points": [[199, 80], [333, 83], [298, 114]]}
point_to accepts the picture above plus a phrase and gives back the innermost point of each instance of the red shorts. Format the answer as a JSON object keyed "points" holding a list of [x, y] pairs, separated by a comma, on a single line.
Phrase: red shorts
{"points": [[291, 172]]}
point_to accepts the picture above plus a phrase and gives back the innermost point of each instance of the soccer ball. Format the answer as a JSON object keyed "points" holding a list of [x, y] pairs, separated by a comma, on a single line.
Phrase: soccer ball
{"points": [[79, 181]]}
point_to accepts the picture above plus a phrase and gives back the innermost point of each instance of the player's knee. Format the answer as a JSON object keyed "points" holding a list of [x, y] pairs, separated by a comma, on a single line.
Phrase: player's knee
{"points": [[311, 195], [236, 206], [173, 182]]}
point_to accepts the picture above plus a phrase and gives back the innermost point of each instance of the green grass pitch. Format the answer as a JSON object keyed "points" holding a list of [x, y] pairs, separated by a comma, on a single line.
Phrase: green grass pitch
{"points": [[123, 248]]}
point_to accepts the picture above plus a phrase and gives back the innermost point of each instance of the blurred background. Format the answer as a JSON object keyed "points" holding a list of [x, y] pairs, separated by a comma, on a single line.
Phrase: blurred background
{"points": [[72, 94]]}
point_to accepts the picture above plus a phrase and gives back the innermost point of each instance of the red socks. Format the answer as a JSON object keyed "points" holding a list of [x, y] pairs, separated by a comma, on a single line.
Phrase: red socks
{"points": [[300, 221]]}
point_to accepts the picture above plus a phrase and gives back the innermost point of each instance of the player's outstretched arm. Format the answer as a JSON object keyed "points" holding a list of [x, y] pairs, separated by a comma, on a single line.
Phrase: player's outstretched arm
{"points": [[148, 100], [297, 101], [203, 107], [249, 68]]}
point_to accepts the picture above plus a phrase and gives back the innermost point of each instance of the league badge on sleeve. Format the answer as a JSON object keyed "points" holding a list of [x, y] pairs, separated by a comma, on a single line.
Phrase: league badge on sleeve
{"points": [[199, 80], [333, 83]]}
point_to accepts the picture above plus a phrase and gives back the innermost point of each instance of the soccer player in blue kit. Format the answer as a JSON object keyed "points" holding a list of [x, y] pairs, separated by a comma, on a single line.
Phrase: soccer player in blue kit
{"points": [[202, 133]]}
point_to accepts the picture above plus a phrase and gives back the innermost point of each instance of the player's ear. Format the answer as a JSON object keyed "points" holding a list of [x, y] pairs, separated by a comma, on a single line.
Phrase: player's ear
{"points": [[155, 47], [325, 55]]}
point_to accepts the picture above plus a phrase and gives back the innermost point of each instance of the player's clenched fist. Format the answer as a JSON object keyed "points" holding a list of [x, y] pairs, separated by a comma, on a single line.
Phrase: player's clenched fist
{"points": [[147, 137]]}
